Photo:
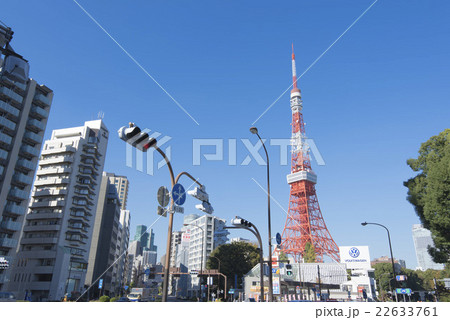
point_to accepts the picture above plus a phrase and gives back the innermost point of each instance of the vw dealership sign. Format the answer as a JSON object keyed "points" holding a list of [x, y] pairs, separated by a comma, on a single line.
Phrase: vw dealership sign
{"points": [[355, 257]]}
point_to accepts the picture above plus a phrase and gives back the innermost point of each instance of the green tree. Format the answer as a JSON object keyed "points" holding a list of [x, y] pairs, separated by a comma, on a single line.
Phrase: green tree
{"points": [[310, 253], [235, 258], [282, 256], [383, 276], [429, 192]]}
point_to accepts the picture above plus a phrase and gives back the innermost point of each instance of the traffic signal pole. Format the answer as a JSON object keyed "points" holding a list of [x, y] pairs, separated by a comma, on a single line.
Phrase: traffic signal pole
{"points": [[261, 257]]}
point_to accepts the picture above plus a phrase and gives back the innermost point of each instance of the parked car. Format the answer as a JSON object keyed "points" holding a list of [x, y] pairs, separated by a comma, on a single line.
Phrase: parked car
{"points": [[7, 297]]}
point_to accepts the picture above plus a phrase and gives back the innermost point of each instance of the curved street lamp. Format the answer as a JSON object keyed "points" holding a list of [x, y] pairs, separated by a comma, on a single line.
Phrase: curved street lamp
{"points": [[254, 130], [390, 247]]}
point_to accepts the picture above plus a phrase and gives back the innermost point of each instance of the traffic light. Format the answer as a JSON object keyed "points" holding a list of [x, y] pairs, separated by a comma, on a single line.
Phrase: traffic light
{"points": [[205, 207], [288, 270], [134, 136], [238, 221], [199, 193]]}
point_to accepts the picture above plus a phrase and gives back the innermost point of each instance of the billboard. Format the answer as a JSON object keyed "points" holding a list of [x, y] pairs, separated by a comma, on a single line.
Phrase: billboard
{"points": [[355, 257]]}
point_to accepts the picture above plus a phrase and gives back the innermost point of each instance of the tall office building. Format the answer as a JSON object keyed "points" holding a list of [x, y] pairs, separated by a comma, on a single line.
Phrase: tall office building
{"points": [[56, 236], [422, 239], [24, 109], [122, 247], [146, 238], [121, 183], [103, 253]]}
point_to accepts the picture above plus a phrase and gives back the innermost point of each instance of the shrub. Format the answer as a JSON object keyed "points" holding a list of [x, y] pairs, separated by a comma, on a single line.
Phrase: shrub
{"points": [[114, 299], [104, 299]]}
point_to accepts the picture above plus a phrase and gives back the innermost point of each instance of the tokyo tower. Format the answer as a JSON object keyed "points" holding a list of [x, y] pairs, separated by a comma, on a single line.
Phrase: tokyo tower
{"points": [[304, 221]]}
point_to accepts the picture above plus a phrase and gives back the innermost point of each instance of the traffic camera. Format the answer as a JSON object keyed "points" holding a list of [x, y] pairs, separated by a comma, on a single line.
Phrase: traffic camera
{"points": [[134, 136]]}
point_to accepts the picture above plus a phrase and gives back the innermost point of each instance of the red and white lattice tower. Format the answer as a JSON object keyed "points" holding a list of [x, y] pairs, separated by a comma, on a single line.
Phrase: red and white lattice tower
{"points": [[304, 221]]}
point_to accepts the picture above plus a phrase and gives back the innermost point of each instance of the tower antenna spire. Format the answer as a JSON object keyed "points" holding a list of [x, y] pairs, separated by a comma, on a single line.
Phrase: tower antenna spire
{"points": [[294, 72]]}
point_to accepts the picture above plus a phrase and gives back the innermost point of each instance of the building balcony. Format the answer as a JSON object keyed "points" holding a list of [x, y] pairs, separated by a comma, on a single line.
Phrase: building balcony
{"points": [[11, 94], [15, 209], [32, 137], [3, 154], [40, 216], [5, 138], [36, 124], [62, 159], [26, 164], [11, 225], [49, 192], [53, 227], [6, 107], [50, 204], [59, 150], [21, 178], [8, 243], [57, 170], [42, 100], [39, 240], [38, 111], [2, 168], [19, 194], [51, 181], [29, 150], [7, 123]]}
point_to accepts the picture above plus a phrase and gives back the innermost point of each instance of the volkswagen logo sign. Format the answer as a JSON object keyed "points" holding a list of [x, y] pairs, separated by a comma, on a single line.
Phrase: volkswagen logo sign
{"points": [[353, 252]]}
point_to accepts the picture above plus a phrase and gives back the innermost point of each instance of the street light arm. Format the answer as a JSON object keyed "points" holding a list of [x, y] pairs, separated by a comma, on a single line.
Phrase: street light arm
{"points": [[187, 174], [172, 176]]}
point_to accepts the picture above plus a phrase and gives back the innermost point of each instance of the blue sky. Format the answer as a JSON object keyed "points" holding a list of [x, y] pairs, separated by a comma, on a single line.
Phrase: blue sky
{"points": [[369, 102]]}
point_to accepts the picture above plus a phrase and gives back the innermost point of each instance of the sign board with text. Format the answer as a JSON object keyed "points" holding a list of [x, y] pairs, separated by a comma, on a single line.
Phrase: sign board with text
{"points": [[355, 257]]}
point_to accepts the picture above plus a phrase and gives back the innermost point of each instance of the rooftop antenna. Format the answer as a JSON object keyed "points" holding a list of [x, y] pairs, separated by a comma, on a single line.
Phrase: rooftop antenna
{"points": [[100, 115]]}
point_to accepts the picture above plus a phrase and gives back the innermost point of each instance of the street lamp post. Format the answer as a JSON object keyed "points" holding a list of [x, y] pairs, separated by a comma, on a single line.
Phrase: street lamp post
{"points": [[201, 265], [254, 130], [390, 248]]}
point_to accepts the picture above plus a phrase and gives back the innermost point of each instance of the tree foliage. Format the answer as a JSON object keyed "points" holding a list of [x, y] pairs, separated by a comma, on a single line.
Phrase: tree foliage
{"points": [[429, 192], [235, 258], [309, 255]]}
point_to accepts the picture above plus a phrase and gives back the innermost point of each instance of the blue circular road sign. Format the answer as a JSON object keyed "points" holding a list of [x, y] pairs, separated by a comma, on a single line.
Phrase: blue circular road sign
{"points": [[278, 238], [178, 194]]}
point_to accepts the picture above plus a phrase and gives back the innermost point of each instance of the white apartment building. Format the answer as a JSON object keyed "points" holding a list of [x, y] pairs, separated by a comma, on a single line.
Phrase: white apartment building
{"points": [[122, 246], [24, 109], [56, 236], [205, 234]]}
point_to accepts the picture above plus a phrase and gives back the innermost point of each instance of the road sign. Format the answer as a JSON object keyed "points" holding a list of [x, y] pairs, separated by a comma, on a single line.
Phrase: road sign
{"points": [[274, 270], [178, 209], [401, 278], [147, 272], [403, 290], [163, 196], [100, 283], [162, 211], [278, 237], [178, 194]]}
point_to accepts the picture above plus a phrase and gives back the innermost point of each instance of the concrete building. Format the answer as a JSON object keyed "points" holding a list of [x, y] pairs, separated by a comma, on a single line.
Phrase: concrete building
{"points": [[121, 183], [104, 253], [24, 109], [56, 236], [398, 263], [122, 247], [205, 234], [239, 239], [422, 239]]}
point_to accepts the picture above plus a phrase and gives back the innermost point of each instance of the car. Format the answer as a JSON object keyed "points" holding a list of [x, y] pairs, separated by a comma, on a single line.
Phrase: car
{"points": [[123, 299], [250, 300], [7, 297]]}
